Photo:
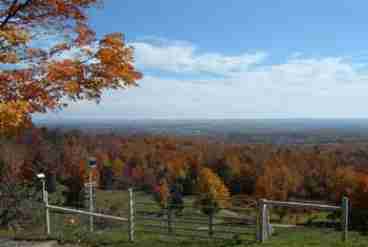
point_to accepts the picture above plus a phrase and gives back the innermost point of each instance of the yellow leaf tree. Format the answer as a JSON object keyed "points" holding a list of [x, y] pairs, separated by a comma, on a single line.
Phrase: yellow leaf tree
{"points": [[213, 193], [118, 167]]}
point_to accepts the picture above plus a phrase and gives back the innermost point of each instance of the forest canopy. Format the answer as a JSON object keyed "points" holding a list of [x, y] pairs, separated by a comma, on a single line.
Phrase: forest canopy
{"points": [[162, 164]]}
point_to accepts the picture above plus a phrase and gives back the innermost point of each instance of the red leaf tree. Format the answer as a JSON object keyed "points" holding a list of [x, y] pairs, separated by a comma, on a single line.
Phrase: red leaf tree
{"points": [[36, 77]]}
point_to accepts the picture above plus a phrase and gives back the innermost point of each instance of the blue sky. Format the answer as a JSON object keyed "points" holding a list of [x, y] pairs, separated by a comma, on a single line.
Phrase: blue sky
{"points": [[237, 59]]}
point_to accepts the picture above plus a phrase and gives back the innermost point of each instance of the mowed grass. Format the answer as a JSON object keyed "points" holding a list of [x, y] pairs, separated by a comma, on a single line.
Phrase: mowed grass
{"points": [[282, 238], [313, 237]]}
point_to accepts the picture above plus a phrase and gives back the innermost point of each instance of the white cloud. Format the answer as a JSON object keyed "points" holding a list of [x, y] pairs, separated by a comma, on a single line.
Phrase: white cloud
{"points": [[306, 73], [249, 86], [183, 57]]}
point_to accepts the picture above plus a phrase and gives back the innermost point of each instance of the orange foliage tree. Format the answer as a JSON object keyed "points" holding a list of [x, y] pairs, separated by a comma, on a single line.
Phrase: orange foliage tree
{"points": [[36, 77], [213, 194], [278, 180], [162, 193], [352, 183]]}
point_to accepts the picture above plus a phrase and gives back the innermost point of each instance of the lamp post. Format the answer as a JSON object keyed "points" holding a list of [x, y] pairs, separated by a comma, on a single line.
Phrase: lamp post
{"points": [[45, 198], [42, 177], [92, 164]]}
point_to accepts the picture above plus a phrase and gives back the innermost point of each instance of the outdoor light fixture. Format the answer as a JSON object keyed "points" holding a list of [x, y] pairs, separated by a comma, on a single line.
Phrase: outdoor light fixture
{"points": [[42, 177], [92, 162]]}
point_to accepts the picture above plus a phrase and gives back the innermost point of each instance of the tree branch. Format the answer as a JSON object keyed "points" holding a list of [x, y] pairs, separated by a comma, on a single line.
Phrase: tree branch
{"points": [[12, 12]]}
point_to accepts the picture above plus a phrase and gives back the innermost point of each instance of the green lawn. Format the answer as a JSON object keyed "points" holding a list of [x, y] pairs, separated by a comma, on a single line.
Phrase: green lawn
{"points": [[304, 237], [297, 238]]}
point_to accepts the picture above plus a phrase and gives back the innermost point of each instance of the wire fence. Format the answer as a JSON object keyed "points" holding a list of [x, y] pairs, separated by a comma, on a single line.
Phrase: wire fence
{"points": [[265, 226], [193, 220], [138, 213]]}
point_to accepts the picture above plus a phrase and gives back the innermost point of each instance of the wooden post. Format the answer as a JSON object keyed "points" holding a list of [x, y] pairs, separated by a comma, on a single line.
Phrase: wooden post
{"points": [[258, 221], [46, 199], [131, 215], [264, 223], [43, 181], [345, 218], [268, 223], [169, 220], [210, 224], [263, 220], [91, 206]]}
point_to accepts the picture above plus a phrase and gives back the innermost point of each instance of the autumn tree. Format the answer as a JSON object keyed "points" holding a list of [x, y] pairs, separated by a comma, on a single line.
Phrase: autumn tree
{"points": [[162, 193], [229, 167], [352, 183], [37, 77], [278, 180], [117, 167], [73, 174], [213, 194], [15, 192]]}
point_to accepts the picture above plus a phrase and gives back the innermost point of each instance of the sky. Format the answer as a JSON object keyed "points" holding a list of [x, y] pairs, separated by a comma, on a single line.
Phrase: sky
{"points": [[237, 59]]}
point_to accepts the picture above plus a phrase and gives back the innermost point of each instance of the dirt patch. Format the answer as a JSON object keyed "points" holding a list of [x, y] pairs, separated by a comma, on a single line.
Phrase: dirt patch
{"points": [[14, 243]]}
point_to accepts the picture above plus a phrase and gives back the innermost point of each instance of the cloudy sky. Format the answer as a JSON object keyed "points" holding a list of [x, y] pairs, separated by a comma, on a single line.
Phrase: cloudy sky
{"points": [[237, 59]]}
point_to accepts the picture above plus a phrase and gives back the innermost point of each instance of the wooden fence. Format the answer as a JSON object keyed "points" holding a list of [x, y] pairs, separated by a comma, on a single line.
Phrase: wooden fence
{"points": [[148, 217], [233, 224], [265, 228]]}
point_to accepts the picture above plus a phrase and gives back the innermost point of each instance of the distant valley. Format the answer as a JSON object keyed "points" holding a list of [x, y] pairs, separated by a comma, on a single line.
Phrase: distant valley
{"points": [[273, 131]]}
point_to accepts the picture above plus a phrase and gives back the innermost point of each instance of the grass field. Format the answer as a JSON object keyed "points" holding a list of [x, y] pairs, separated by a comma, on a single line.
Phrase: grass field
{"points": [[74, 229], [305, 238]]}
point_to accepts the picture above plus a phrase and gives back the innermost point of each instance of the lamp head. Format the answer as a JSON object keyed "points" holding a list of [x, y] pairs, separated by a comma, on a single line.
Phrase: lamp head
{"points": [[92, 162], [41, 176]]}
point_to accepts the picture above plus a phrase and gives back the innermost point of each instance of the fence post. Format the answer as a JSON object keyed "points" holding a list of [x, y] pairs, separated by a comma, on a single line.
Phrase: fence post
{"points": [[131, 215], [262, 221], [91, 207], [269, 229], [210, 224], [345, 218], [258, 221], [46, 199], [169, 220]]}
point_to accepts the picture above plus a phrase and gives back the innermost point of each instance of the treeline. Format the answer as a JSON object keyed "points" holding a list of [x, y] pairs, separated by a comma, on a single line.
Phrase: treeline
{"points": [[161, 163]]}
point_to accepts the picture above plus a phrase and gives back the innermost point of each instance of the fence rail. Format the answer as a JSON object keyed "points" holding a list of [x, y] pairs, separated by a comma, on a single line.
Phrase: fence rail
{"points": [[82, 212], [301, 205], [129, 220]]}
